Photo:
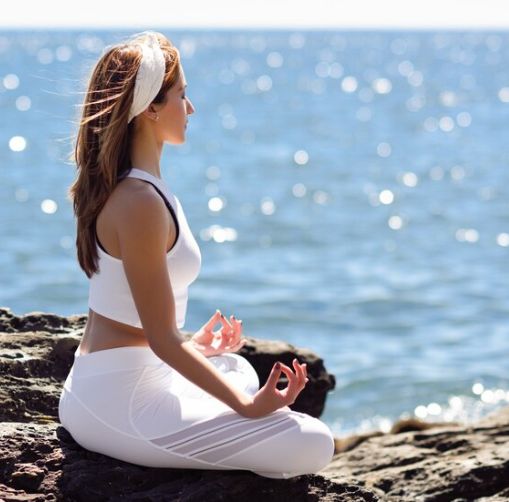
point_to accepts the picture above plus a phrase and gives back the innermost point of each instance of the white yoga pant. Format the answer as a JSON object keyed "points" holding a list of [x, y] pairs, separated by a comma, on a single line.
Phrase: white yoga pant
{"points": [[129, 404]]}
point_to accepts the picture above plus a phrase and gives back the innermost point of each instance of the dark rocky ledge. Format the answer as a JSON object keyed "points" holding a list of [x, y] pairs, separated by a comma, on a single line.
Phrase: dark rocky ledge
{"points": [[39, 460]]}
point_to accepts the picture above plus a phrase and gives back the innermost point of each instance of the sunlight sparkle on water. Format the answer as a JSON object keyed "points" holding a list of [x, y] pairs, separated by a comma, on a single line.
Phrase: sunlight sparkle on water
{"points": [[301, 157], [405, 68], [274, 59], [320, 197], [467, 235], [477, 388], [63, 53], [448, 98], [503, 239], [267, 206], [23, 103], [383, 149], [395, 222], [430, 124], [264, 83], [49, 206], [299, 190], [386, 197], [503, 94], [446, 124], [216, 203], [463, 119], [382, 85], [457, 173], [415, 79], [218, 234], [409, 179], [45, 56], [11, 81], [349, 84], [17, 143]]}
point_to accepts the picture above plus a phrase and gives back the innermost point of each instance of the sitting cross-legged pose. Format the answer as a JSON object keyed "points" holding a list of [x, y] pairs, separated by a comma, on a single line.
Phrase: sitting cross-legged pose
{"points": [[138, 389]]}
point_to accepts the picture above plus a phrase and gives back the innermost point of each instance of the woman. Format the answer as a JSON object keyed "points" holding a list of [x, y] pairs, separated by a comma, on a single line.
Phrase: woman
{"points": [[137, 390]]}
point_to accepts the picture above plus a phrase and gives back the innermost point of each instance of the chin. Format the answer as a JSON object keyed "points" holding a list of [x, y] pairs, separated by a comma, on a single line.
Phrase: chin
{"points": [[176, 141]]}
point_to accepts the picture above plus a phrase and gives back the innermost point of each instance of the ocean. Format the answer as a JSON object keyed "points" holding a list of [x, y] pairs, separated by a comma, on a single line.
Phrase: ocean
{"points": [[349, 191]]}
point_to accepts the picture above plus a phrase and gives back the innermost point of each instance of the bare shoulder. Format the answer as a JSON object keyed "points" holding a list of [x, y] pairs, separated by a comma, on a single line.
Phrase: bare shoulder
{"points": [[140, 215], [136, 201]]}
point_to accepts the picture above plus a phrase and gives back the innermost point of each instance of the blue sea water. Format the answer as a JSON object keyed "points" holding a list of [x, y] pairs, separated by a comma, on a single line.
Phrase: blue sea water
{"points": [[349, 192]]}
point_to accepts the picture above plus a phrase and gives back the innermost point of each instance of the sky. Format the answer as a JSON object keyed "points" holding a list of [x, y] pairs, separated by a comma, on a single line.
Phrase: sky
{"points": [[354, 14]]}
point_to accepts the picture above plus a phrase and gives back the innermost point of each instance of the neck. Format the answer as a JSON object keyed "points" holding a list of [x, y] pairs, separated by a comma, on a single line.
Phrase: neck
{"points": [[146, 150]]}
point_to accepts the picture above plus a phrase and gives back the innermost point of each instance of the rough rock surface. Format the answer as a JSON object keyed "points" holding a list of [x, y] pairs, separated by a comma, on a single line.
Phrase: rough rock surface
{"points": [[39, 460]]}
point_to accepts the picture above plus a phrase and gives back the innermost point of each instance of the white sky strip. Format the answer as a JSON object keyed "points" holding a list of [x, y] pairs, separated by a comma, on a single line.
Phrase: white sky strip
{"points": [[387, 14]]}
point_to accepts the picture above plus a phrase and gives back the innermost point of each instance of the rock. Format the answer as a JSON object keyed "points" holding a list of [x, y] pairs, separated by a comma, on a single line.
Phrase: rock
{"points": [[442, 462], [39, 460], [71, 473]]}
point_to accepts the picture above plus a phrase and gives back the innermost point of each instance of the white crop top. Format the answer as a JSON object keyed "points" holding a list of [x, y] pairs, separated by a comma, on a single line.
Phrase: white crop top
{"points": [[109, 291]]}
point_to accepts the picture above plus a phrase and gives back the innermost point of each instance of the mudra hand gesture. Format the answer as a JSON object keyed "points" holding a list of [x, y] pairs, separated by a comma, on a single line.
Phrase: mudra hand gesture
{"points": [[226, 339]]}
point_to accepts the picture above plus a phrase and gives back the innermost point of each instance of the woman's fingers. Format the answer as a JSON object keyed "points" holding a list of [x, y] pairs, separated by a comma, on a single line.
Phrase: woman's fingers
{"points": [[297, 380], [226, 329], [236, 323], [209, 325], [237, 326], [235, 332], [290, 375], [225, 322], [300, 371], [229, 334], [274, 375], [240, 344]]}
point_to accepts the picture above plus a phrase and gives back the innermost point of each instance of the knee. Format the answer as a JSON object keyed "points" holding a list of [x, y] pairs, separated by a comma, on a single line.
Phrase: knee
{"points": [[312, 447], [239, 370], [317, 448], [245, 367]]}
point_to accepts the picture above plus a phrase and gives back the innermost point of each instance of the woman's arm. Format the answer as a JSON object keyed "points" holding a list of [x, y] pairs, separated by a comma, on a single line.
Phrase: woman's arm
{"points": [[143, 229], [191, 363]]}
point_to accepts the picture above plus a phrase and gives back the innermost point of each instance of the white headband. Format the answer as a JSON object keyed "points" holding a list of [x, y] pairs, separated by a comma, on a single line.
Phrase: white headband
{"points": [[150, 76]]}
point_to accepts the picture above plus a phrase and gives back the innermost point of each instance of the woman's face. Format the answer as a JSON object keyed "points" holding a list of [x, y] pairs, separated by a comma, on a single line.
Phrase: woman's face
{"points": [[172, 123]]}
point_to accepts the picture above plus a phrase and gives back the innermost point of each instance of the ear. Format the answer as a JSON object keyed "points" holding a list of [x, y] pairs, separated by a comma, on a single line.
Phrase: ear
{"points": [[150, 112]]}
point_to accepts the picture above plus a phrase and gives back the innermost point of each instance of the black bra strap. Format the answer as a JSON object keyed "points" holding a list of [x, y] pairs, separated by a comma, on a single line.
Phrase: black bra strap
{"points": [[168, 205]]}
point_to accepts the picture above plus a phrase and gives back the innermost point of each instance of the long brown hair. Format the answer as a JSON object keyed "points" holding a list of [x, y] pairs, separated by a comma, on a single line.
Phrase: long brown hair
{"points": [[102, 141]]}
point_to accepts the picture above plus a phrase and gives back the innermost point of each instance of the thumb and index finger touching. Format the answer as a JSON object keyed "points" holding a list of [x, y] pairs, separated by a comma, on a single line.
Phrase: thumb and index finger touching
{"points": [[209, 325], [217, 317], [296, 381]]}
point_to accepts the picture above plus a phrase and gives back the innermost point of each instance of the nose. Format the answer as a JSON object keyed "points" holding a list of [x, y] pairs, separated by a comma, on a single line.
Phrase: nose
{"points": [[190, 107]]}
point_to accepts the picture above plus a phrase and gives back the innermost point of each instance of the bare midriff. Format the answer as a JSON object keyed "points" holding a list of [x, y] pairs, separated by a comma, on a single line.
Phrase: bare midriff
{"points": [[102, 333]]}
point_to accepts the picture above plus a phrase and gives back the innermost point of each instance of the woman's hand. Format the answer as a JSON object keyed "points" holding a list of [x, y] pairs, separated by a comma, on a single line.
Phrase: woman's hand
{"points": [[226, 339], [269, 398]]}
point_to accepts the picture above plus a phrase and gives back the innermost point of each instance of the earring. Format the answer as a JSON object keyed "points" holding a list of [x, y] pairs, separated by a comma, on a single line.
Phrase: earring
{"points": [[157, 117]]}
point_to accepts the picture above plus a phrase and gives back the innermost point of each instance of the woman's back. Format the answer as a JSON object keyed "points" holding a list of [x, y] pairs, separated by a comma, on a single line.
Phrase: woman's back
{"points": [[113, 319]]}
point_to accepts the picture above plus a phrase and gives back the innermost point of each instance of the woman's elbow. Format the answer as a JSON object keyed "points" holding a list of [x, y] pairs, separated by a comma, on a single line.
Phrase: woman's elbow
{"points": [[160, 341]]}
